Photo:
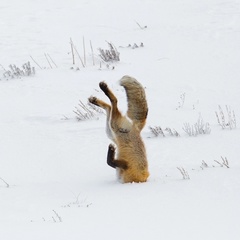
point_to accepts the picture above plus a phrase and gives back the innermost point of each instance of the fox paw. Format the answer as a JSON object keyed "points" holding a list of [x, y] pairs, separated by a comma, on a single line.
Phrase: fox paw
{"points": [[93, 100], [103, 86], [111, 148]]}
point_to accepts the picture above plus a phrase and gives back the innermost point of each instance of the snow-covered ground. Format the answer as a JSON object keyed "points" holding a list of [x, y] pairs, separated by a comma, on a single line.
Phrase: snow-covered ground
{"points": [[60, 186]]}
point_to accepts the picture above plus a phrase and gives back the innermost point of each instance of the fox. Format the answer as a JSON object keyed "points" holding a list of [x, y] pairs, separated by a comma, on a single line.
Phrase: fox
{"points": [[129, 157]]}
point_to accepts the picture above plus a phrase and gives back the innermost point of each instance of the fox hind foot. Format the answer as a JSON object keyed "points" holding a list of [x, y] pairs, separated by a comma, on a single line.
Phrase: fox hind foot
{"points": [[93, 100], [108, 92], [104, 87]]}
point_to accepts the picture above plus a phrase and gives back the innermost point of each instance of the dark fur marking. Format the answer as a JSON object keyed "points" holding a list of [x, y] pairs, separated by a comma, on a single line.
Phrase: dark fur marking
{"points": [[104, 87], [123, 130], [113, 162]]}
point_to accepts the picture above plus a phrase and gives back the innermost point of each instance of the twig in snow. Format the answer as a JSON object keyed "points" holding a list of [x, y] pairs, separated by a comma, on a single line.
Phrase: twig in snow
{"points": [[223, 163], [47, 60], [75, 49], [79, 56], [58, 217], [3, 68], [35, 62], [198, 128], [18, 72], [7, 185], [230, 121], [172, 132], [109, 55], [52, 60], [157, 131], [84, 51], [88, 111], [92, 54], [183, 172], [204, 164], [72, 51], [182, 101], [140, 25]]}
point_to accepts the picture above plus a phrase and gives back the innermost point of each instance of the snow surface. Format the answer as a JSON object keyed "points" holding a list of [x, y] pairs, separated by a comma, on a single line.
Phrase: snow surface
{"points": [[60, 186]]}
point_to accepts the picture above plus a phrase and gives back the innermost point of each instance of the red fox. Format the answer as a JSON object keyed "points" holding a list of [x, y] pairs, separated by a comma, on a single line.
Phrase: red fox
{"points": [[131, 160]]}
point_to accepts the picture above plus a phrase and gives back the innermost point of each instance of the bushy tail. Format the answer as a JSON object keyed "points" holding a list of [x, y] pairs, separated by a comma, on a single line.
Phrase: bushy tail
{"points": [[137, 103]]}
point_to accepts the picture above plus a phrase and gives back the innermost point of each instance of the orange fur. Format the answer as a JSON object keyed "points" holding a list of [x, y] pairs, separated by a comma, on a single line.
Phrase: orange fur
{"points": [[130, 160]]}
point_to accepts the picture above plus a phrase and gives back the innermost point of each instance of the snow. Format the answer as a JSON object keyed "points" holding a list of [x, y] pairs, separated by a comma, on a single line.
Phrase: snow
{"points": [[60, 186]]}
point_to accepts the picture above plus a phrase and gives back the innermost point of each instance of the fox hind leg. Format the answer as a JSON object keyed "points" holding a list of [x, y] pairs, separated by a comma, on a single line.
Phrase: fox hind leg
{"points": [[108, 92], [116, 118], [100, 103]]}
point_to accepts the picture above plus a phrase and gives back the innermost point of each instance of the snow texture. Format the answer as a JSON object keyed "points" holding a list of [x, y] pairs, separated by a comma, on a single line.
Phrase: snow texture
{"points": [[54, 180]]}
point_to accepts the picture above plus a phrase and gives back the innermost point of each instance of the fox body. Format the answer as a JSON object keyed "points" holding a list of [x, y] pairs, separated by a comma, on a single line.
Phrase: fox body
{"points": [[130, 159]]}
